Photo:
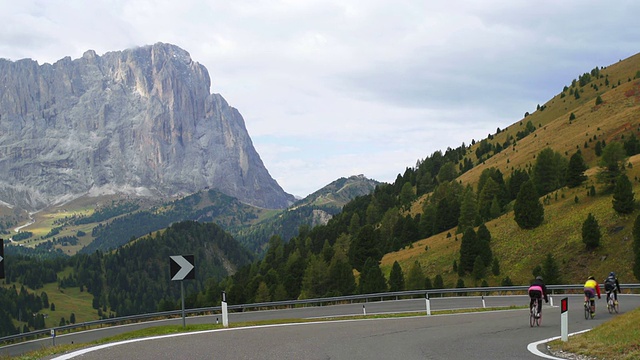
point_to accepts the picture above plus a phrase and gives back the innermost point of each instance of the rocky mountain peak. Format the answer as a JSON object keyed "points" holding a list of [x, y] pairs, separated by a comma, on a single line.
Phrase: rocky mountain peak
{"points": [[139, 121]]}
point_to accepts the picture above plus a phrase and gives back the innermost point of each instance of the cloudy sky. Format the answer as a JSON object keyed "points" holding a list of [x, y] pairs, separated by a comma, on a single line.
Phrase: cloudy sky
{"points": [[330, 89]]}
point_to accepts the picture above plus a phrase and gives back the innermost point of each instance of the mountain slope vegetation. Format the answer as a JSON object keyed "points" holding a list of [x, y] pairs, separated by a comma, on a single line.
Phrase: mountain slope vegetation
{"points": [[422, 219], [450, 221]]}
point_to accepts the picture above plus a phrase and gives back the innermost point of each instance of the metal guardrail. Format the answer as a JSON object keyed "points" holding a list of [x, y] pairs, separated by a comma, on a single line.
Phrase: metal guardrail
{"points": [[289, 303]]}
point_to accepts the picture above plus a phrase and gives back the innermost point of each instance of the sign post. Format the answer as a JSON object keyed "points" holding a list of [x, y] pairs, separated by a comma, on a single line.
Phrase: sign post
{"points": [[2, 259], [182, 267], [564, 319], [53, 336], [225, 313]]}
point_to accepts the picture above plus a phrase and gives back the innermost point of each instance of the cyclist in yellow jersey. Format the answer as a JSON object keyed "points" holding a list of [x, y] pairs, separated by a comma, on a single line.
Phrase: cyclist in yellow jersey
{"points": [[591, 288]]}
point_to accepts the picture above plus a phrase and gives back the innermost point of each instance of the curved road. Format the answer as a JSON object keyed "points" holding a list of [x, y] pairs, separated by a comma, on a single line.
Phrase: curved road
{"points": [[499, 335]]}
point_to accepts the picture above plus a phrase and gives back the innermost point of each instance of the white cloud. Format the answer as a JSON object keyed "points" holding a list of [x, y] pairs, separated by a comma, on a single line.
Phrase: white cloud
{"points": [[334, 88]]}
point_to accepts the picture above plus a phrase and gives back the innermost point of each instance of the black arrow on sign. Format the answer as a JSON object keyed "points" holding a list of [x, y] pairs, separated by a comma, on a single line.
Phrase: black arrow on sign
{"points": [[182, 267]]}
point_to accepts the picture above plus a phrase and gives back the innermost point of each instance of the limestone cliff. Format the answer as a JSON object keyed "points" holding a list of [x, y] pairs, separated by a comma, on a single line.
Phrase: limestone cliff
{"points": [[140, 121]]}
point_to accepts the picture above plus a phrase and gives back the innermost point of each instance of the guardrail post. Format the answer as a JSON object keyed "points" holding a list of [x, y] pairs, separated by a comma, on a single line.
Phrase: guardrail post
{"points": [[225, 314], [426, 299]]}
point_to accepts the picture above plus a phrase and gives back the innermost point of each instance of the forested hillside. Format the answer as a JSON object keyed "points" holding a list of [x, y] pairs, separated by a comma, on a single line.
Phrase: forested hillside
{"points": [[209, 206], [552, 194], [131, 280]]}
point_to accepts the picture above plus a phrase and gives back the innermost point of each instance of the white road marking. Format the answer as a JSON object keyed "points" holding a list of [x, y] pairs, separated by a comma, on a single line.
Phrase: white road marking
{"points": [[533, 347]]}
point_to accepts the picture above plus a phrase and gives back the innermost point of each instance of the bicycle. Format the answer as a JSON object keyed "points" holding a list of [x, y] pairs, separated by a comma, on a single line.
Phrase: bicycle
{"points": [[587, 310], [535, 318], [612, 305]]}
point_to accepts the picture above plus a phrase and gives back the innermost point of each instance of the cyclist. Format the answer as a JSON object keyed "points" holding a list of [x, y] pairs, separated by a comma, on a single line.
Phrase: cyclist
{"points": [[591, 288], [611, 285], [538, 290]]}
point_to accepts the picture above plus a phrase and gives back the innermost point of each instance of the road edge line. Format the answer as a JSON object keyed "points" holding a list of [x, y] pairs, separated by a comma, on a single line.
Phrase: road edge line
{"points": [[533, 347]]}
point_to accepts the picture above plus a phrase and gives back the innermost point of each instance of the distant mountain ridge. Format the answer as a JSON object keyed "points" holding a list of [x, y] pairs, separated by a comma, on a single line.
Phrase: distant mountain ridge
{"points": [[140, 121], [340, 192], [315, 209]]}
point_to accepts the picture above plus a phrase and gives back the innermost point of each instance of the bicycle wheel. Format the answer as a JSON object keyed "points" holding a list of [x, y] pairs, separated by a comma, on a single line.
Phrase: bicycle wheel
{"points": [[616, 307], [610, 306], [539, 319], [587, 310], [532, 314], [532, 318]]}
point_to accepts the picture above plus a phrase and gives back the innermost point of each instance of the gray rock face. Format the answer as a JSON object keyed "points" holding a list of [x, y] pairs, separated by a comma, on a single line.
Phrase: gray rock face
{"points": [[139, 121]]}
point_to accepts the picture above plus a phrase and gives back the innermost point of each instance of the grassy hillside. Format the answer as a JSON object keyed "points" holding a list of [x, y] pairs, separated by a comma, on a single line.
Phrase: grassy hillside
{"points": [[519, 251]]}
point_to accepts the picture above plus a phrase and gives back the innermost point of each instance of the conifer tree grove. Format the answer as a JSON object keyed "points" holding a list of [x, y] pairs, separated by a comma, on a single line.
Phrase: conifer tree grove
{"points": [[371, 279]]}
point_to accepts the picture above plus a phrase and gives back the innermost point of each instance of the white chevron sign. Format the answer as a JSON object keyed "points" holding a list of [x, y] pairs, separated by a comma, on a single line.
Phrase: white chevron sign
{"points": [[182, 267]]}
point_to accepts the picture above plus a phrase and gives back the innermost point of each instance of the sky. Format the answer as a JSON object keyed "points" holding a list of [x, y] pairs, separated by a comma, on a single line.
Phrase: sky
{"points": [[330, 89]]}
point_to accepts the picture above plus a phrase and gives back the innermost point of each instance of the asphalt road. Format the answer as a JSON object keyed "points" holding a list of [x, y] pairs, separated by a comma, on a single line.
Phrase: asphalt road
{"points": [[497, 335]]}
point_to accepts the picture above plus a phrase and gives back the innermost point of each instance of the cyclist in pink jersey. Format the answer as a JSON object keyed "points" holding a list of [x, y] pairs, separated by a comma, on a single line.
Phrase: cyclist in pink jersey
{"points": [[538, 290]]}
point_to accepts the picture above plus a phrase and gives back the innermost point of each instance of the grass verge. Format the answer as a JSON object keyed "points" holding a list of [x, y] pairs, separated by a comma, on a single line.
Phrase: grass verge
{"points": [[175, 329], [617, 339]]}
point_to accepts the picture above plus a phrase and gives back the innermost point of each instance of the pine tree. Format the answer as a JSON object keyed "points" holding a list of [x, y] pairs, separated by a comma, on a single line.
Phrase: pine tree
{"points": [[495, 209], [468, 251], [406, 194], [612, 164], [632, 146], [598, 148], [591, 232], [623, 197], [427, 283], [372, 280], [478, 268], [364, 246], [315, 280], [262, 294], [415, 277], [549, 171], [468, 211], [576, 169], [495, 267], [550, 270], [483, 247], [438, 283], [489, 191], [528, 210], [518, 177], [341, 279], [396, 278]]}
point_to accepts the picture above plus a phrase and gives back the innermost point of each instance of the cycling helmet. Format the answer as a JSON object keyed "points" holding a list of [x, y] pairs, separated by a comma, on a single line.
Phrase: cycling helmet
{"points": [[612, 274], [591, 278], [539, 277]]}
